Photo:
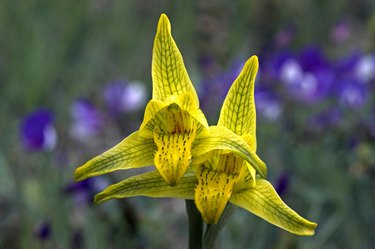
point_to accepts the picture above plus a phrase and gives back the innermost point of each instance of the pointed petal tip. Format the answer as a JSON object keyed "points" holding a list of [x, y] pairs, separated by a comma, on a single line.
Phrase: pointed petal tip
{"points": [[210, 220], [310, 228], [171, 180], [78, 176], [164, 23], [254, 57], [252, 60], [163, 15], [81, 173], [99, 198], [307, 230]]}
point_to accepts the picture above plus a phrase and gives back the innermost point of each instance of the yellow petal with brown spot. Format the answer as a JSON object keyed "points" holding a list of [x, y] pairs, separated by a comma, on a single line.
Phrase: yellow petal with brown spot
{"points": [[173, 154], [212, 193]]}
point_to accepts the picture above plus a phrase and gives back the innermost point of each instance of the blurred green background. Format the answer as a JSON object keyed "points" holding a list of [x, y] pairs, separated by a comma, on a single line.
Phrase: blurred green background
{"points": [[55, 53]]}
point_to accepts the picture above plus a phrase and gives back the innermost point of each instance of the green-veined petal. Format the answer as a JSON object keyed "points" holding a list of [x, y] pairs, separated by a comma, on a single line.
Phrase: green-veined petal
{"points": [[263, 201], [201, 118], [251, 141], [251, 171], [152, 108], [169, 74], [133, 152], [149, 184], [238, 112], [221, 138]]}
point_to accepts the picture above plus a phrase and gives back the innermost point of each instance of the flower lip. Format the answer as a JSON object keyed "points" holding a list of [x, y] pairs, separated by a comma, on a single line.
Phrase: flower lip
{"points": [[173, 154]]}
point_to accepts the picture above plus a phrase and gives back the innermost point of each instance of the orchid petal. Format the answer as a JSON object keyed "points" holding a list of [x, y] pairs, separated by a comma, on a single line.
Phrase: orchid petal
{"points": [[169, 74], [221, 138], [249, 174], [147, 127], [263, 201], [133, 152], [149, 184], [238, 112]]}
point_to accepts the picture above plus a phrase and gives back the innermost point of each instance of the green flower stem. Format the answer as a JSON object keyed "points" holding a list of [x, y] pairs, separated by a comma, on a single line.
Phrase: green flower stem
{"points": [[211, 236], [195, 225]]}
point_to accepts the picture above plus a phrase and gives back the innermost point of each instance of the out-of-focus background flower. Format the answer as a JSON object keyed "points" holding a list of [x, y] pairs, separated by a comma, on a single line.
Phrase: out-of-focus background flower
{"points": [[75, 78]]}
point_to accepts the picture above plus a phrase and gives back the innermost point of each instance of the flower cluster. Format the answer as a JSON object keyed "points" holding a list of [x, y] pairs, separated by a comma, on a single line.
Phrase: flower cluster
{"points": [[310, 78], [38, 132], [212, 165]]}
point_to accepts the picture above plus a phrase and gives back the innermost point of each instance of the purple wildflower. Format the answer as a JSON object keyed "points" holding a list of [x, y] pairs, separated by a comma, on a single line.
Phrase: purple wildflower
{"points": [[365, 68], [87, 120], [37, 131], [267, 105], [291, 71], [312, 59], [308, 77], [271, 67], [121, 96], [352, 93], [43, 231], [345, 67], [282, 183], [83, 191]]}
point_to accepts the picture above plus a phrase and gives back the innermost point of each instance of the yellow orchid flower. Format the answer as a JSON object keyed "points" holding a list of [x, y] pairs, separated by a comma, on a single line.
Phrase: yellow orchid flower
{"points": [[225, 176], [220, 176], [174, 130]]}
